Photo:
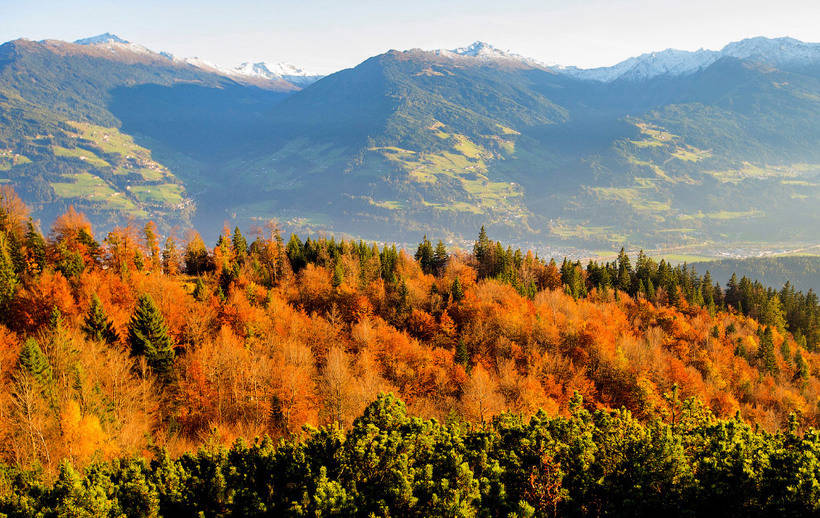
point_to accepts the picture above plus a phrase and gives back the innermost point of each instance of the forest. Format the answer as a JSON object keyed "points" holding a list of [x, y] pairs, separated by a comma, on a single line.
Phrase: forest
{"points": [[146, 376]]}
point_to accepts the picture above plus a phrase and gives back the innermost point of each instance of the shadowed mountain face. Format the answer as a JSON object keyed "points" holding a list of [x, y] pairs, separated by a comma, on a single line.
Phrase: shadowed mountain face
{"points": [[413, 142]]}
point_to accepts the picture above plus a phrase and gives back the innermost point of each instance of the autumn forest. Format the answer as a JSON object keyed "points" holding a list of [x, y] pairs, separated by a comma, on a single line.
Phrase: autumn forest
{"points": [[269, 374]]}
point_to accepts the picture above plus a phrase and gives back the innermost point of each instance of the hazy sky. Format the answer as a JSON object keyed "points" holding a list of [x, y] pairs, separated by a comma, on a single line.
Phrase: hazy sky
{"points": [[325, 35]]}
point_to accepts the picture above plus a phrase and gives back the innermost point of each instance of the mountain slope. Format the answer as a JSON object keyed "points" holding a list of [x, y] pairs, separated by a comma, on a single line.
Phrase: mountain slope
{"points": [[431, 140], [69, 114], [440, 142]]}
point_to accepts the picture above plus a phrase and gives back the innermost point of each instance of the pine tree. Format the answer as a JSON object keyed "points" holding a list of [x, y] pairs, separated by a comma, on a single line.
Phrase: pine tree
{"points": [[462, 356], [481, 251], [765, 352], [338, 275], [199, 289], [440, 258], [97, 326], [36, 247], [34, 362], [424, 255], [8, 277], [456, 290], [240, 244], [801, 369], [148, 336]]}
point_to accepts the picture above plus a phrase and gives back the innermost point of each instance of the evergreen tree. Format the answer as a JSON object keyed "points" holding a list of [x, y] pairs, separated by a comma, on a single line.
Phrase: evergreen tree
{"points": [[482, 251], [148, 336], [424, 255], [240, 244], [440, 258], [36, 246], [199, 289], [8, 277], [462, 356], [801, 368], [33, 361], [765, 352], [296, 254], [97, 326], [338, 275], [456, 290]]}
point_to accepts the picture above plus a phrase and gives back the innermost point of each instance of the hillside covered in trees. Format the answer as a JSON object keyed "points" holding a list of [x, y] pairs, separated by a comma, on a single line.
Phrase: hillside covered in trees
{"points": [[518, 384]]}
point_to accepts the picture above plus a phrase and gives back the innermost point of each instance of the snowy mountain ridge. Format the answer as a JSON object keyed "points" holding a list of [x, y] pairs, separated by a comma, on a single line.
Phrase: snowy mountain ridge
{"points": [[676, 63], [260, 70]]}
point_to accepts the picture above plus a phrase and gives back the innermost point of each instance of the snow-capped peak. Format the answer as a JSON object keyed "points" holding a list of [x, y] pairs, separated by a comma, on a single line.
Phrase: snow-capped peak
{"points": [[113, 43], [100, 39], [288, 72], [775, 51], [486, 52], [676, 63]]}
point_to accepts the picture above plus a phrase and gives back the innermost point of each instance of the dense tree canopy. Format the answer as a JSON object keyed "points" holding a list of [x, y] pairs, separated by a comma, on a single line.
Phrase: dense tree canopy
{"points": [[526, 385]]}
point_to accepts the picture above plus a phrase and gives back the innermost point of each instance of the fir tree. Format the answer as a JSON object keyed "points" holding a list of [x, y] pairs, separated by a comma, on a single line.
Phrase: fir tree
{"points": [[338, 275], [456, 290], [482, 251], [765, 352], [424, 255], [240, 244], [148, 336], [97, 326], [36, 246], [8, 277], [462, 356], [440, 258], [33, 361], [199, 289], [801, 369]]}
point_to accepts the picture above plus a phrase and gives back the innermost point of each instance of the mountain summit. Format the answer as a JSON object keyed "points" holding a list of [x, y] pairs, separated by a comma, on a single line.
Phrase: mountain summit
{"points": [[486, 52], [101, 38]]}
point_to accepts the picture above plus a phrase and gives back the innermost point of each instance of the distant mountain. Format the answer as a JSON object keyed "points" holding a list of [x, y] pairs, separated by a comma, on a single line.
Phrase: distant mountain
{"points": [[670, 149], [668, 62], [285, 71], [780, 52]]}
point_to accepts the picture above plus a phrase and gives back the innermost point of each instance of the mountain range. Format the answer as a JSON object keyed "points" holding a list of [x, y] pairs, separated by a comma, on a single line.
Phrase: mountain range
{"points": [[666, 149]]}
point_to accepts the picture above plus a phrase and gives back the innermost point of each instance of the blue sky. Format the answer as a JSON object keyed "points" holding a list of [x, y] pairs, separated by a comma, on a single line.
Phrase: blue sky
{"points": [[326, 35]]}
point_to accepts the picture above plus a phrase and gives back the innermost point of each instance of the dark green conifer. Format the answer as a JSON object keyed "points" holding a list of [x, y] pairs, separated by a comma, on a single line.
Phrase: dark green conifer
{"points": [[765, 352], [199, 289], [440, 257], [424, 255], [97, 326], [34, 362], [8, 277], [456, 290], [240, 244], [148, 336], [36, 246], [338, 275]]}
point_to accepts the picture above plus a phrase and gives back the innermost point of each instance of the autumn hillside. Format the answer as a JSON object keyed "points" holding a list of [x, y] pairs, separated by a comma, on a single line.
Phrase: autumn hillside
{"points": [[112, 346]]}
